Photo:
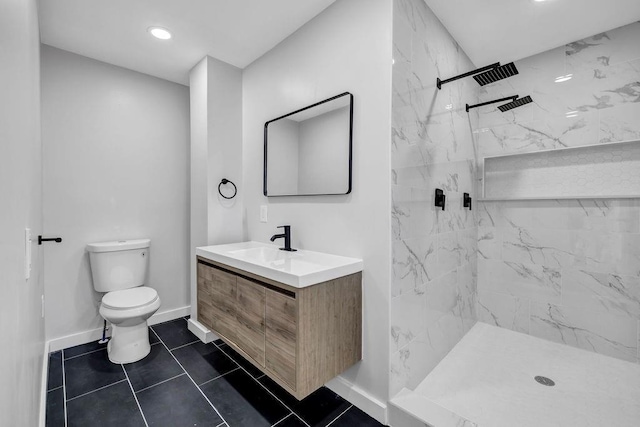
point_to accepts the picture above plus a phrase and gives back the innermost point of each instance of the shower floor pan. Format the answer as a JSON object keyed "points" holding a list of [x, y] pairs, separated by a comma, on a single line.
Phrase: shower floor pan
{"points": [[488, 380]]}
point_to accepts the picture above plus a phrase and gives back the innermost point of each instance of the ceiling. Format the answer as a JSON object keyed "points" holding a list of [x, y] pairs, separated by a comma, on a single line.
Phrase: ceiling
{"points": [[507, 30], [240, 31], [115, 31]]}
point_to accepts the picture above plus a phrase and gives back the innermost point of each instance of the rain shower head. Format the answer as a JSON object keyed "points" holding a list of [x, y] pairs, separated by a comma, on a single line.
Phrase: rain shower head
{"points": [[515, 103], [495, 74], [485, 75]]}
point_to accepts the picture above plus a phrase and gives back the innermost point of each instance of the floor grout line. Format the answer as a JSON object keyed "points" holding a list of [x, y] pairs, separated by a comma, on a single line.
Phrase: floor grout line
{"points": [[189, 376], [64, 390], [300, 418], [288, 415], [97, 389], [88, 352], [343, 412], [261, 385], [134, 396], [161, 382], [54, 389], [184, 345], [219, 376]]}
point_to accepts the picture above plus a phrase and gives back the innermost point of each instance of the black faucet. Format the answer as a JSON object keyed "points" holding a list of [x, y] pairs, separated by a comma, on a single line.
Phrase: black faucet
{"points": [[287, 238]]}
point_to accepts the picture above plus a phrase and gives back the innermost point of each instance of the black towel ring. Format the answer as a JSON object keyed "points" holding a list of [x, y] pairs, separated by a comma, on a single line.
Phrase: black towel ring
{"points": [[226, 181]]}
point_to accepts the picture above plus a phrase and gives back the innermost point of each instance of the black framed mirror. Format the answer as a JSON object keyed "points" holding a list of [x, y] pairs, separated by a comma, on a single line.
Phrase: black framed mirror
{"points": [[309, 152]]}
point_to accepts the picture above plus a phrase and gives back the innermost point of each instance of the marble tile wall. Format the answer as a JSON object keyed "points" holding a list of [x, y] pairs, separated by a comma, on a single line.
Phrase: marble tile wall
{"points": [[565, 270], [434, 251], [600, 103]]}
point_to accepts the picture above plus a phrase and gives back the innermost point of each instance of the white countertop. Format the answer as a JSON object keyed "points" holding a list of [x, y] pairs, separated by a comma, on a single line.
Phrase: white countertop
{"points": [[298, 269]]}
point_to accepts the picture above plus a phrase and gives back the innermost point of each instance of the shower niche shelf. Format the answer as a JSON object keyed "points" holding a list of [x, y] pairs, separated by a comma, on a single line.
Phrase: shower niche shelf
{"points": [[602, 171]]}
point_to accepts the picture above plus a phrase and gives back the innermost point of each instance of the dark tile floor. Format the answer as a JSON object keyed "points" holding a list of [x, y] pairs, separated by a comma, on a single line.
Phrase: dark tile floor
{"points": [[182, 382]]}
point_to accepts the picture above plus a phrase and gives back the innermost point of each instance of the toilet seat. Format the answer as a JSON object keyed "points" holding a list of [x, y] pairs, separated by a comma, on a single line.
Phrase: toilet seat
{"points": [[128, 299]]}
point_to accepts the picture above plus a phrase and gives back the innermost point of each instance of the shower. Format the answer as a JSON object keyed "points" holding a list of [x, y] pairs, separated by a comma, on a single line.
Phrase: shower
{"points": [[516, 101], [485, 75]]}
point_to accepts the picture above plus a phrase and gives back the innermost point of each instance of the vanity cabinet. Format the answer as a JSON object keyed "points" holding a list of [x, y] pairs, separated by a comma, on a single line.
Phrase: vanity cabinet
{"points": [[300, 337], [250, 319], [280, 345], [222, 292]]}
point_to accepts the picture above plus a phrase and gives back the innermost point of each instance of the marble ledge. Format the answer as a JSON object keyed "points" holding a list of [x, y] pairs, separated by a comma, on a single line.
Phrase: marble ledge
{"points": [[515, 199]]}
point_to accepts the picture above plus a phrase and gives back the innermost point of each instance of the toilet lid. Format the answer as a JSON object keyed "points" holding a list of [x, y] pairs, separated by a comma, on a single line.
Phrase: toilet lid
{"points": [[130, 298]]}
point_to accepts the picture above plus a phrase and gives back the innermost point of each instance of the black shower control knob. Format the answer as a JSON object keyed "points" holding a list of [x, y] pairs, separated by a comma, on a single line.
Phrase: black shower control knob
{"points": [[439, 199]]}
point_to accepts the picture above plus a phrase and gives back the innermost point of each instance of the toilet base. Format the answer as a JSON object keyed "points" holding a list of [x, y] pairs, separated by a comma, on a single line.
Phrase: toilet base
{"points": [[129, 344]]}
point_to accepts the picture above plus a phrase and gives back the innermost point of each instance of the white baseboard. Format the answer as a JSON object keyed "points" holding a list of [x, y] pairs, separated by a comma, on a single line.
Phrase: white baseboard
{"points": [[165, 316], [201, 331], [75, 339], [360, 398], [96, 334], [44, 385]]}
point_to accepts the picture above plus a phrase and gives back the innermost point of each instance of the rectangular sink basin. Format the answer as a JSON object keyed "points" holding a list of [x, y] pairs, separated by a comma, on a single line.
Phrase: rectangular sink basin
{"points": [[298, 269]]}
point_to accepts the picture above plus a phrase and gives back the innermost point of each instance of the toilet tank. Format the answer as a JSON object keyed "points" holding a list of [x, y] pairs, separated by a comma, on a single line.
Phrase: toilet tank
{"points": [[119, 265]]}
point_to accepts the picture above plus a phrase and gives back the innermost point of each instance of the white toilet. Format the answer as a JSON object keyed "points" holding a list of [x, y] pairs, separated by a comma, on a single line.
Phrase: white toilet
{"points": [[120, 269]]}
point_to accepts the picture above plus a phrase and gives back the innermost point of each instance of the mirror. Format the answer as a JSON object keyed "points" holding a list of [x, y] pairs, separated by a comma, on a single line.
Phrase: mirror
{"points": [[308, 152]]}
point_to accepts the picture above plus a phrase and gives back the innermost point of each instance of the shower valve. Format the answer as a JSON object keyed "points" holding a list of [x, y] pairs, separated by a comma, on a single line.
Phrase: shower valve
{"points": [[466, 200], [440, 198]]}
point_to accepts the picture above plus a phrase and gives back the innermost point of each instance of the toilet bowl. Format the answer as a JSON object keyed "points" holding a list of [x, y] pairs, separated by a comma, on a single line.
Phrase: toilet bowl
{"points": [[119, 270], [127, 311]]}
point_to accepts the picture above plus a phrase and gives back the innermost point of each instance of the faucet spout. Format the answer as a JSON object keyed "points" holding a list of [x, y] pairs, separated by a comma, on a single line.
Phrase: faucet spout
{"points": [[277, 236], [286, 236]]}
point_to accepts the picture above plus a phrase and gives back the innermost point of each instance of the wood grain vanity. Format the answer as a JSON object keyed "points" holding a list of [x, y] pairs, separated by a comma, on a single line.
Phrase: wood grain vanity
{"points": [[301, 337]]}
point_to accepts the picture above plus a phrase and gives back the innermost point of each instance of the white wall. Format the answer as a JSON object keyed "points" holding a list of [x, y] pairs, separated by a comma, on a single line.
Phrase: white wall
{"points": [[20, 207], [198, 170], [346, 48], [216, 153], [115, 155], [224, 137]]}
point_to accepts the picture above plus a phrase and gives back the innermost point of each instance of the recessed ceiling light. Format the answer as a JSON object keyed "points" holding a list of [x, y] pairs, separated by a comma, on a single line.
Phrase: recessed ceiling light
{"points": [[564, 78], [160, 33]]}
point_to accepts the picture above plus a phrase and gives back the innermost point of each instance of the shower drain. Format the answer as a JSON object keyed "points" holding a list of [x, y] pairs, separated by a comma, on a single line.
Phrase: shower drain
{"points": [[545, 381]]}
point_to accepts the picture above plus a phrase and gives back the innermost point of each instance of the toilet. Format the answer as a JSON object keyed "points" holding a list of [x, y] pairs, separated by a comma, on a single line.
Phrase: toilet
{"points": [[120, 268]]}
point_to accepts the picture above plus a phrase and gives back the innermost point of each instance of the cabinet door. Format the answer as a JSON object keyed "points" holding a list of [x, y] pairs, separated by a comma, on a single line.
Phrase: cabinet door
{"points": [[280, 351], [205, 302], [223, 297], [250, 315]]}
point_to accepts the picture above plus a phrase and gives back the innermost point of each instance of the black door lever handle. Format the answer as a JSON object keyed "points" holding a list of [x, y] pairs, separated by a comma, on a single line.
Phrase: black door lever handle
{"points": [[49, 239]]}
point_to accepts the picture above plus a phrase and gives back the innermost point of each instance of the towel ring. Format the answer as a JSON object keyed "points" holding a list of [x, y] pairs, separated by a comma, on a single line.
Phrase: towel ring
{"points": [[226, 181]]}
